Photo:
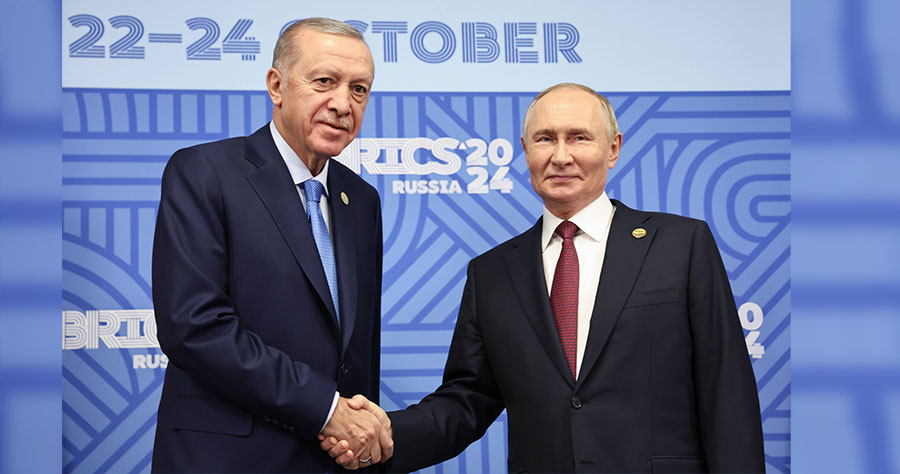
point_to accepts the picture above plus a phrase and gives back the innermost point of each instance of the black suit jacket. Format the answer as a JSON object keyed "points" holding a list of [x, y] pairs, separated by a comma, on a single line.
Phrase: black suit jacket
{"points": [[245, 315], [665, 383]]}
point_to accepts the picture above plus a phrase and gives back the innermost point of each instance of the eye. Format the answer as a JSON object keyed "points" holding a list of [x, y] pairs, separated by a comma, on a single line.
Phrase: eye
{"points": [[361, 90], [324, 81]]}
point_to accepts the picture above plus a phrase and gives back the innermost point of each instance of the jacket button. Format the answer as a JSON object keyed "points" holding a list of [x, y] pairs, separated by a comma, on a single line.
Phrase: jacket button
{"points": [[267, 419], [284, 425], [576, 403], [345, 368]]}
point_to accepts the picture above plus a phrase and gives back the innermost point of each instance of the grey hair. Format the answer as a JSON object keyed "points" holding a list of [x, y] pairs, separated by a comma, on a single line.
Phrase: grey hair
{"points": [[609, 115], [286, 51]]}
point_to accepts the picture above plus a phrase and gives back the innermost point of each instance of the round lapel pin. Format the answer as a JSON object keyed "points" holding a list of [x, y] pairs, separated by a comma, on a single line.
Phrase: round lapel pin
{"points": [[639, 233], [345, 199]]}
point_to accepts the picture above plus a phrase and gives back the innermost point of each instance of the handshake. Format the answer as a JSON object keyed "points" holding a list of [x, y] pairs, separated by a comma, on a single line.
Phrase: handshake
{"points": [[358, 434]]}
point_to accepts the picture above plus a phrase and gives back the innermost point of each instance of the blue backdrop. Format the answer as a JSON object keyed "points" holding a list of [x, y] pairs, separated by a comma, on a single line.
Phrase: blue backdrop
{"points": [[446, 161]]}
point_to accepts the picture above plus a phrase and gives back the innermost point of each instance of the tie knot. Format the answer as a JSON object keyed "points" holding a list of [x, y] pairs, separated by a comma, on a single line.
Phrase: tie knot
{"points": [[566, 229], [313, 190]]}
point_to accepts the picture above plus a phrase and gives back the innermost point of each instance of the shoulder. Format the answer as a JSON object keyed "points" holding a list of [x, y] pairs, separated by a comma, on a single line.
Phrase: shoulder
{"points": [[672, 233], [213, 160], [662, 220], [673, 220], [212, 152]]}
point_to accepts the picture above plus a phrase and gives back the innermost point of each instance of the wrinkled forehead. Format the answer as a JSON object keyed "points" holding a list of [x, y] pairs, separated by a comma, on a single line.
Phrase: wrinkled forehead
{"points": [[567, 109], [312, 43]]}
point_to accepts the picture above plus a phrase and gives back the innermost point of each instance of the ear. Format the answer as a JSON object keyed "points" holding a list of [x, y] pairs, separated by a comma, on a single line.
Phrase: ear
{"points": [[615, 146], [522, 139], [274, 83]]}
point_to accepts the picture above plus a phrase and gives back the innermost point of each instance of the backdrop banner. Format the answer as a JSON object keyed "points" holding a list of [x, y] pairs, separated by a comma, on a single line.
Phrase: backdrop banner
{"points": [[702, 97]]}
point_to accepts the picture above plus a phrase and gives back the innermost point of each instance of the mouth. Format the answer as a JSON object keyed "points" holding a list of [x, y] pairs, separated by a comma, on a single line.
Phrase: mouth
{"points": [[334, 126], [337, 123]]}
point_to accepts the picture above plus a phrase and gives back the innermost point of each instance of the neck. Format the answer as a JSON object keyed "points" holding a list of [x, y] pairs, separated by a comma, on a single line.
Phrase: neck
{"points": [[314, 163], [563, 213], [566, 210]]}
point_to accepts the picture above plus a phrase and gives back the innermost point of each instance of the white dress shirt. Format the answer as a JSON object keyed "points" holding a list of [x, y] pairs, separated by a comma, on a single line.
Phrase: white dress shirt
{"points": [[300, 173], [590, 244]]}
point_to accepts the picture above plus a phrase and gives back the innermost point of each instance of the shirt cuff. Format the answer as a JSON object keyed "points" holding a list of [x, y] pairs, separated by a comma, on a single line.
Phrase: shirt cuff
{"points": [[337, 395]]}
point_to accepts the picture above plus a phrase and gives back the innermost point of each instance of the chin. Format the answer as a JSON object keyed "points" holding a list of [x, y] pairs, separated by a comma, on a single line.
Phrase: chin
{"points": [[562, 196], [331, 149]]}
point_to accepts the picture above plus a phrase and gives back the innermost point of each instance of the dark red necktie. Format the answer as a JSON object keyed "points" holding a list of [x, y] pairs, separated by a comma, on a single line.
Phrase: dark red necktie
{"points": [[564, 293]]}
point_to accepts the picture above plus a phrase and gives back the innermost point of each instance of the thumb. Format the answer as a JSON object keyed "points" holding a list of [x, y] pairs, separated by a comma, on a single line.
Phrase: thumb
{"points": [[358, 402]]}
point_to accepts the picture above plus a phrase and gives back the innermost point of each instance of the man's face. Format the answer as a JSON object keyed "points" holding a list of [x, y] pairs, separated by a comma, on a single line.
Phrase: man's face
{"points": [[319, 103], [568, 150]]}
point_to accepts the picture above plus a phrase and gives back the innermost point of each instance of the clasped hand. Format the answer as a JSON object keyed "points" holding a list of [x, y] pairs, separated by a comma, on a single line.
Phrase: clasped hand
{"points": [[358, 433]]}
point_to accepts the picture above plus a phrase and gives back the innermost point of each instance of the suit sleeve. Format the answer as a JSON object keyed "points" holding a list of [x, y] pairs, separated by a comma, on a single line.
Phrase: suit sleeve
{"points": [[198, 328], [458, 413], [728, 402], [375, 356]]}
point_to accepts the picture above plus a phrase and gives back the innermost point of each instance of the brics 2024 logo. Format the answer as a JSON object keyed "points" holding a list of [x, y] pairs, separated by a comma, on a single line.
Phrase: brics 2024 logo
{"points": [[429, 42], [487, 163]]}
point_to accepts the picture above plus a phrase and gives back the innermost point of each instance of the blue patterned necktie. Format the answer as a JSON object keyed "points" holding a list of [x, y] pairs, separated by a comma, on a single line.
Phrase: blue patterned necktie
{"points": [[313, 190]]}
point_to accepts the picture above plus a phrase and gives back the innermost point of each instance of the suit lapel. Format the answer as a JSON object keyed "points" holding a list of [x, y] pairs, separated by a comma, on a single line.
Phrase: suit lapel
{"points": [[343, 224], [526, 272], [272, 183], [621, 265]]}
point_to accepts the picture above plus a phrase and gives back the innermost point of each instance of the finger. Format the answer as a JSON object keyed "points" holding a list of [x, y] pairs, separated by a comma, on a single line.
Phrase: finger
{"points": [[339, 449], [328, 443], [358, 402], [379, 413], [375, 447], [374, 452], [387, 444], [346, 458]]}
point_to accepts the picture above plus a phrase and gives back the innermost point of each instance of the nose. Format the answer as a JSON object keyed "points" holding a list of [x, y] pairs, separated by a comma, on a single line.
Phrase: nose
{"points": [[340, 101], [561, 156]]}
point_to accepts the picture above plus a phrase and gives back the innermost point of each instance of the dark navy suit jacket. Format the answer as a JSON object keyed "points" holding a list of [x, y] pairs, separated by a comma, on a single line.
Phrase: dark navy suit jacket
{"points": [[245, 315], [665, 383]]}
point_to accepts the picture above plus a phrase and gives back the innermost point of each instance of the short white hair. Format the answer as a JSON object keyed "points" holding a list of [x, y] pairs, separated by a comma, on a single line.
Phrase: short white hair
{"points": [[286, 48], [609, 115]]}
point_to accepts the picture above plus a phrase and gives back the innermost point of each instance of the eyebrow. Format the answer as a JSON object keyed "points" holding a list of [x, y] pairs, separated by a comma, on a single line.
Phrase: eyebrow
{"points": [[331, 71], [571, 131]]}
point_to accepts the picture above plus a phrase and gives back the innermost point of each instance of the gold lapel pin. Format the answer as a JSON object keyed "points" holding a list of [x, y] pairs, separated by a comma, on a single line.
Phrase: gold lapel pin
{"points": [[345, 199], [639, 233]]}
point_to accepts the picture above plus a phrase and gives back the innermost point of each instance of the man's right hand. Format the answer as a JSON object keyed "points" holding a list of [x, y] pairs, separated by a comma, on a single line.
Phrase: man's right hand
{"points": [[340, 450], [358, 432]]}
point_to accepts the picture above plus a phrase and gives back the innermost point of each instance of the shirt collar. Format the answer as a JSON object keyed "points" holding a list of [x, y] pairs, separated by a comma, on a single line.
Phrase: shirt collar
{"points": [[592, 220], [299, 171]]}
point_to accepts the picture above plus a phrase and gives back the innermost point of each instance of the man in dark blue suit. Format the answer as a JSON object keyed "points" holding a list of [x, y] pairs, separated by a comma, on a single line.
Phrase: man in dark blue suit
{"points": [[267, 276], [608, 334]]}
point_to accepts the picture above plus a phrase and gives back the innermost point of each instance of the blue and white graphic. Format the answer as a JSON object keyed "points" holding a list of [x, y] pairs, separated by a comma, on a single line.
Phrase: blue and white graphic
{"points": [[440, 142], [462, 46]]}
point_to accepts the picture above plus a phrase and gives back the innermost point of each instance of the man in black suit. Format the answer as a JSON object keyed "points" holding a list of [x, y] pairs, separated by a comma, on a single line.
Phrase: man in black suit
{"points": [[609, 335], [267, 275]]}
